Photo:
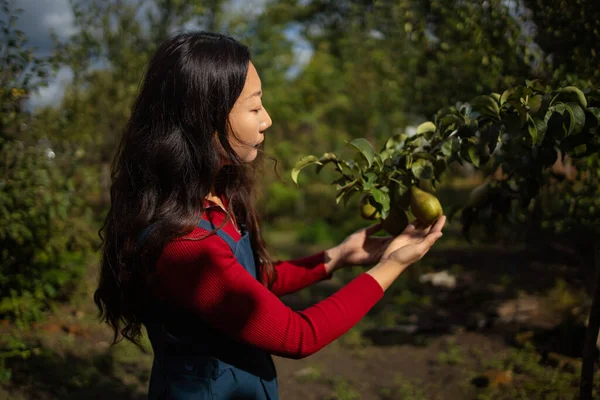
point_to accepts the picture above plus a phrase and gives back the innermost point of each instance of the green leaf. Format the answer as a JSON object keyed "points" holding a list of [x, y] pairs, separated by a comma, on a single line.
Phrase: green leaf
{"points": [[394, 141], [326, 158], [345, 195], [537, 130], [471, 151], [422, 169], [345, 192], [486, 105], [423, 154], [386, 154], [365, 148], [348, 167], [382, 198], [348, 185], [370, 181], [402, 188], [426, 129], [535, 84], [451, 122], [506, 95], [340, 181], [577, 117], [535, 103], [532, 131], [580, 96], [450, 147], [303, 163]]}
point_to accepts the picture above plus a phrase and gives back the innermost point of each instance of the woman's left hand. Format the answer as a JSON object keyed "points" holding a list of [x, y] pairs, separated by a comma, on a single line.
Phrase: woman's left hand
{"points": [[360, 248]]}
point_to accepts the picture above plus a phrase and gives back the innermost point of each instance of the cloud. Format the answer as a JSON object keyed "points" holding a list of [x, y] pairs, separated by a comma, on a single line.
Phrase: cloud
{"points": [[302, 49], [52, 94], [40, 16]]}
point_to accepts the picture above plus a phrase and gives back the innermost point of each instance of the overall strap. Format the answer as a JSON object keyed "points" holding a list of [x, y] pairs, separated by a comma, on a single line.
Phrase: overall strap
{"points": [[209, 226]]}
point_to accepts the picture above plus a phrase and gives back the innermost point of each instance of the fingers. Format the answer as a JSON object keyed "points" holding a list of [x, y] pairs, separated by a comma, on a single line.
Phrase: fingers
{"points": [[427, 242], [433, 237], [439, 224], [409, 228], [435, 227]]}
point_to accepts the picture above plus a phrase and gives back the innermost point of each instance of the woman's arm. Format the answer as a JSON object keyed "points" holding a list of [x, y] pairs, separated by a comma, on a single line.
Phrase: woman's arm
{"points": [[205, 276], [294, 275]]}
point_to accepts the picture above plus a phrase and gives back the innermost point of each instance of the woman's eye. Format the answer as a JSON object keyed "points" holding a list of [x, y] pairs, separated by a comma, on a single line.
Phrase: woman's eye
{"points": [[257, 109]]}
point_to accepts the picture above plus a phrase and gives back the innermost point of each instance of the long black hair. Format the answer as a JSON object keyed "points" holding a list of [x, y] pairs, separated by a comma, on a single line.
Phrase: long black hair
{"points": [[168, 160]]}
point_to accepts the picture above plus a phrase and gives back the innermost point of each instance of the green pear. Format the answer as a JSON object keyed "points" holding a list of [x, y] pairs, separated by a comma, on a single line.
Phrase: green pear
{"points": [[424, 206], [367, 210]]}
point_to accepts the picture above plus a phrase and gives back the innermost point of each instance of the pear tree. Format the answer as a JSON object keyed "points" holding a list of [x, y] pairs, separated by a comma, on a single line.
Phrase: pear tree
{"points": [[515, 138]]}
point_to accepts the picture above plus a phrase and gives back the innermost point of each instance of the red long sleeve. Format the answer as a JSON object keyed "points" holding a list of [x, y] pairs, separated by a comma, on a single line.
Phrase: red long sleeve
{"points": [[293, 275], [204, 275]]}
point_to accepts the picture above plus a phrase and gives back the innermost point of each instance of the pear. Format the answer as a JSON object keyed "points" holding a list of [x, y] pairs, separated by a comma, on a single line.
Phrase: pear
{"points": [[367, 210], [425, 206], [396, 221]]}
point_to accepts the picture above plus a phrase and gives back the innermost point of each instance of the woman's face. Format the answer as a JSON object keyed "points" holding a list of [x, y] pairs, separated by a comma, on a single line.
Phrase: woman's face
{"points": [[248, 119]]}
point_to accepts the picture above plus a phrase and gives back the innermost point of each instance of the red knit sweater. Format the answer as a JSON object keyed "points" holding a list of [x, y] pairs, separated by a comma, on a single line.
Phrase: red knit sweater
{"points": [[204, 275]]}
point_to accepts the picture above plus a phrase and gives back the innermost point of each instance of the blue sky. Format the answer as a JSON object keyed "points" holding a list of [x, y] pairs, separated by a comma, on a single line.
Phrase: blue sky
{"points": [[40, 16]]}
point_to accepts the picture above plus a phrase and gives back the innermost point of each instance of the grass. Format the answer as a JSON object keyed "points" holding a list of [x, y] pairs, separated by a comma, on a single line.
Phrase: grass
{"points": [[343, 390], [452, 354], [531, 378], [312, 373]]}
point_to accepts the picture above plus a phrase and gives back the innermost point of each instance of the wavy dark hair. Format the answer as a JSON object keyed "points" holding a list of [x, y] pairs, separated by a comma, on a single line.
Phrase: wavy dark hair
{"points": [[168, 160]]}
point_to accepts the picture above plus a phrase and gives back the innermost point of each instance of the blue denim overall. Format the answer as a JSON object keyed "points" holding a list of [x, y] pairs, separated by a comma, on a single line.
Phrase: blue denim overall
{"points": [[192, 361]]}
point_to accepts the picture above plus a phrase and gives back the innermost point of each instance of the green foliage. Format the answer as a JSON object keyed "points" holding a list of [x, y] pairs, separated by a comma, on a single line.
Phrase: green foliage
{"points": [[403, 389], [46, 227], [518, 131], [10, 347], [21, 73], [532, 379]]}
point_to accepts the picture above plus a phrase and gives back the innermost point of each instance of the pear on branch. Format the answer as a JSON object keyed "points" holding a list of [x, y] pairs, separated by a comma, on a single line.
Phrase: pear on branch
{"points": [[424, 206], [368, 210]]}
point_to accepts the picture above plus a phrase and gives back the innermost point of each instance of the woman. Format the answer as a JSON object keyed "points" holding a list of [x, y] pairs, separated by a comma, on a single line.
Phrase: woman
{"points": [[182, 248]]}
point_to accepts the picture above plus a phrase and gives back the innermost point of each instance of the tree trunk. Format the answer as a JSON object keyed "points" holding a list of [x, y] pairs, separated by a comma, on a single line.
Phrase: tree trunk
{"points": [[591, 335]]}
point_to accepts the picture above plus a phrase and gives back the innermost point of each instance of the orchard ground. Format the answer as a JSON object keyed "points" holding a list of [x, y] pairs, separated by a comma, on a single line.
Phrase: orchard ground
{"points": [[511, 327]]}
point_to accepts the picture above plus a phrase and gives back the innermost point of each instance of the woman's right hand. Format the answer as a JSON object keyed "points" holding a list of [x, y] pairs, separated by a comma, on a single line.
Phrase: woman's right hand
{"points": [[410, 246], [413, 243]]}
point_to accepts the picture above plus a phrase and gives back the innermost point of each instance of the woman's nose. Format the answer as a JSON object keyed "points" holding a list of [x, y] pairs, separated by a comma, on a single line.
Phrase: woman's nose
{"points": [[267, 122]]}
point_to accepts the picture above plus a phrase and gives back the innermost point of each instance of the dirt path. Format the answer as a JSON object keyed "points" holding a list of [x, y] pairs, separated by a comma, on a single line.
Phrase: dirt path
{"points": [[373, 372], [71, 358]]}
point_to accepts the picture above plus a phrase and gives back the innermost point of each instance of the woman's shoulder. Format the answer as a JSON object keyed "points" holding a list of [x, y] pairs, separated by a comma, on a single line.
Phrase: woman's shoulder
{"points": [[198, 248], [198, 240], [202, 242]]}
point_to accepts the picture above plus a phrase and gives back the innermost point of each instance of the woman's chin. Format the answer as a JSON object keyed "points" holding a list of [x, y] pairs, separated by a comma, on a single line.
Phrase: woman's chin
{"points": [[251, 156]]}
